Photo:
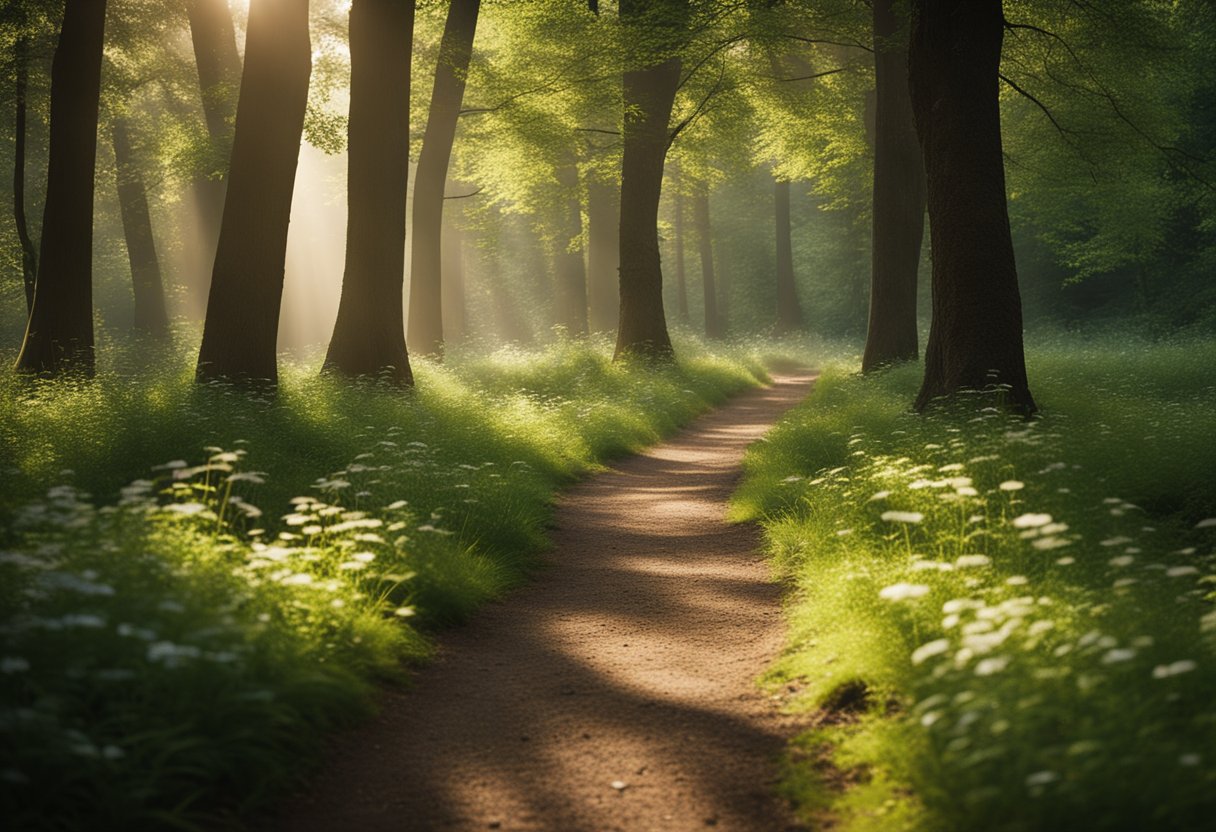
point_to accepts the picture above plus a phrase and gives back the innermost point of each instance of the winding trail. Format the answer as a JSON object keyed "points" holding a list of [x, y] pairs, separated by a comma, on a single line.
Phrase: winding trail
{"points": [[617, 690]]}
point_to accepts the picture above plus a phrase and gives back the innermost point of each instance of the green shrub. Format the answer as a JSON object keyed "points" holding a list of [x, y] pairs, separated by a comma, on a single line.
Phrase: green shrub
{"points": [[1027, 603]]}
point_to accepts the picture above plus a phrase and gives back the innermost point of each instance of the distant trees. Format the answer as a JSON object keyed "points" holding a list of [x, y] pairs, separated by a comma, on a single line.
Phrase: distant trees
{"points": [[975, 341], [425, 332], [219, 77], [369, 335], [649, 93], [59, 333], [789, 310], [705, 247], [241, 327], [29, 257], [147, 286], [898, 198]]}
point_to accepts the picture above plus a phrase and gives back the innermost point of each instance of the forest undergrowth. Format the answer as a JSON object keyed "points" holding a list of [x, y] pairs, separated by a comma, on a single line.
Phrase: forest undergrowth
{"points": [[195, 585], [1006, 624]]}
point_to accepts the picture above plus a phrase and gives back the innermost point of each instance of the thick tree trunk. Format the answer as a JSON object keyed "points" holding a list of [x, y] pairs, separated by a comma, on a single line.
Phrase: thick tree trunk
{"points": [[242, 322], [649, 96], [899, 199], [219, 74], [426, 261], [150, 316], [59, 335], [455, 315], [975, 341], [369, 335], [789, 310], [681, 276], [29, 257], [603, 255], [700, 214], [569, 266]]}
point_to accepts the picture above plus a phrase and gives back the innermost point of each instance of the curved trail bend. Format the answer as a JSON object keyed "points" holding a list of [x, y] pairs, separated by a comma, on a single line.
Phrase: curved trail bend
{"points": [[630, 662]]}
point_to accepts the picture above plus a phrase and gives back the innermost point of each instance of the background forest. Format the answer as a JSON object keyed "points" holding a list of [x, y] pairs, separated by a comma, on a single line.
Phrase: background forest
{"points": [[199, 581]]}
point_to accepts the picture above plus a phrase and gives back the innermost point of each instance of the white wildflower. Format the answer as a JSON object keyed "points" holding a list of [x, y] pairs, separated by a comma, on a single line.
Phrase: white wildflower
{"points": [[903, 591]]}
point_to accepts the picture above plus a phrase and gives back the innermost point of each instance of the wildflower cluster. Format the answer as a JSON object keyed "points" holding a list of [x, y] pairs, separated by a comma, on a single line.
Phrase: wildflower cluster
{"points": [[1031, 638]]}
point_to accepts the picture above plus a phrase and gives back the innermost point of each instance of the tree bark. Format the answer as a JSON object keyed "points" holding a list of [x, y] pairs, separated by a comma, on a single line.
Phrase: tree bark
{"points": [[29, 257], [150, 316], [455, 315], [369, 335], [975, 341], [219, 74], [426, 261], [59, 334], [681, 277], [603, 254], [649, 94], [700, 213], [898, 199], [241, 327], [789, 310], [569, 266]]}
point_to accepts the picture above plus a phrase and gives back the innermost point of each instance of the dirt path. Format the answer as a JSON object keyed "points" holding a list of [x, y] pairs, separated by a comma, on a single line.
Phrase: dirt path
{"points": [[617, 690]]}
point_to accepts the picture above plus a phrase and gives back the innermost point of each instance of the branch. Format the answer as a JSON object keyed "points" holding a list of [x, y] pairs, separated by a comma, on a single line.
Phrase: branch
{"points": [[465, 196]]}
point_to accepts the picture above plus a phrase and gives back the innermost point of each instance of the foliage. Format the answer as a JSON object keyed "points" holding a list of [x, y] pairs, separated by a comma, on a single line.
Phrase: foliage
{"points": [[1027, 604]]}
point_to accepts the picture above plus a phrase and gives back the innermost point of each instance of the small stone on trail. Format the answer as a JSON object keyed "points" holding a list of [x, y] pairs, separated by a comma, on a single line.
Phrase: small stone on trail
{"points": [[711, 821], [494, 824], [620, 785]]}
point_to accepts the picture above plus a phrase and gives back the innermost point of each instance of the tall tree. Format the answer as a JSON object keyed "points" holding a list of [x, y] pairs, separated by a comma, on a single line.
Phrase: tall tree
{"points": [[649, 94], [569, 265], [242, 322], [455, 304], [975, 341], [789, 310], [213, 37], [369, 335], [150, 316], [603, 254], [59, 335], [426, 257], [678, 241], [898, 198], [29, 257], [700, 213]]}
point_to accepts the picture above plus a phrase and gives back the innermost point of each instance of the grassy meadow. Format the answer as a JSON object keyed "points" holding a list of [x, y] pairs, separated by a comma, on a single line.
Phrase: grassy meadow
{"points": [[196, 586], [1008, 624]]}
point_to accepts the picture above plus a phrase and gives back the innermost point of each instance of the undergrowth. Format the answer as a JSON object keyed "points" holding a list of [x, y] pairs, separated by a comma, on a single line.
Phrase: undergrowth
{"points": [[197, 583], [1028, 604]]}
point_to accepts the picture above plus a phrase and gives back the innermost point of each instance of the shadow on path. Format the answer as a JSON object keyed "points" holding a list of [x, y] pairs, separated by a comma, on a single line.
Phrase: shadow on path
{"points": [[630, 661]]}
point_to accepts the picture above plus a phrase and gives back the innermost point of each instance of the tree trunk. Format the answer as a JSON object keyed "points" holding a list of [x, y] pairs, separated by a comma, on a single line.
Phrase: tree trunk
{"points": [[426, 261], [59, 334], [455, 316], [603, 254], [569, 266], [975, 341], [369, 335], [789, 311], [899, 199], [29, 257], [242, 321], [219, 74], [649, 96], [681, 277], [700, 214], [150, 316]]}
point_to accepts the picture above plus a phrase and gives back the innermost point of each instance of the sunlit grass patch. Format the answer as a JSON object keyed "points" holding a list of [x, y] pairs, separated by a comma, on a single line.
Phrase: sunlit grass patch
{"points": [[196, 584], [1028, 604]]}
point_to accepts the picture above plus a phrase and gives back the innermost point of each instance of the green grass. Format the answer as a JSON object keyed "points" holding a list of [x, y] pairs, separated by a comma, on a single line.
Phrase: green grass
{"points": [[196, 586], [1029, 605]]}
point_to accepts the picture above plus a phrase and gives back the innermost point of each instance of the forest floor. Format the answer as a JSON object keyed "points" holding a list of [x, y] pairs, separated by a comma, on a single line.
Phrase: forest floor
{"points": [[617, 691]]}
